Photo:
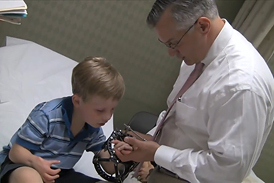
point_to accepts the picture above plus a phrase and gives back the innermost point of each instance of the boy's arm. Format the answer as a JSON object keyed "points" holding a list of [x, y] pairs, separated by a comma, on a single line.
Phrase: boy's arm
{"points": [[19, 154], [109, 166]]}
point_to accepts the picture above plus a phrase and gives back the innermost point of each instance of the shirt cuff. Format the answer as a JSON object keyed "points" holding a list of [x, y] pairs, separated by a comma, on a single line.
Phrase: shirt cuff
{"points": [[164, 156]]}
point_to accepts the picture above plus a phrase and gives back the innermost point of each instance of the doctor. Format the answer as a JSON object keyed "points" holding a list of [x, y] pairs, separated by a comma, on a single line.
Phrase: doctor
{"points": [[216, 130]]}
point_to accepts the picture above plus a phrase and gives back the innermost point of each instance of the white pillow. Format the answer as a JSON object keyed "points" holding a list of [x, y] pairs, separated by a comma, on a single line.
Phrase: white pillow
{"points": [[30, 74]]}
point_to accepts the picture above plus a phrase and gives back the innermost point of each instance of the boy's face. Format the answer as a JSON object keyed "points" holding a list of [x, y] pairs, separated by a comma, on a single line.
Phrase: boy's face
{"points": [[96, 110]]}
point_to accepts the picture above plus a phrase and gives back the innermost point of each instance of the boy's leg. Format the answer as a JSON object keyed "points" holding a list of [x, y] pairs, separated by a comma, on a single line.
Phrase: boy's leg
{"points": [[70, 176], [24, 175], [13, 172]]}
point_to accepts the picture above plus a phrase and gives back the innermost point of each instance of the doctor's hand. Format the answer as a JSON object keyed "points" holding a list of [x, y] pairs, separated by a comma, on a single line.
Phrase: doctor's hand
{"points": [[142, 150]]}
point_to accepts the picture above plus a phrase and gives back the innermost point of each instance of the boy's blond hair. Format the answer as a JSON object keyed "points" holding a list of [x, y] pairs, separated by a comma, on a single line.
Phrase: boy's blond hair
{"points": [[95, 76]]}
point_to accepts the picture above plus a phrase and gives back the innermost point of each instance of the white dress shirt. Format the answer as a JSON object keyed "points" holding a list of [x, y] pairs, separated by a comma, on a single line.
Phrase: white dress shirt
{"points": [[217, 131]]}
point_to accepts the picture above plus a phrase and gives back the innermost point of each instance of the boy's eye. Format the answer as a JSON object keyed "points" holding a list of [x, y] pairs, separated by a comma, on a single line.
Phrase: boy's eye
{"points": [[100, 110]]}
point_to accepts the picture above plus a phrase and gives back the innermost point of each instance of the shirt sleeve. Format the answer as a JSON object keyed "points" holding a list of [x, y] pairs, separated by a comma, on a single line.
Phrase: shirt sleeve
{"points": [[33, 132], [97, 142], [237, 131]]}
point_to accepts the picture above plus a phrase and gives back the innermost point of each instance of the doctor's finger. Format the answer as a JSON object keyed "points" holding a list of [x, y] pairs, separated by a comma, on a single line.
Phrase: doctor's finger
{"points": [[133, 141]]}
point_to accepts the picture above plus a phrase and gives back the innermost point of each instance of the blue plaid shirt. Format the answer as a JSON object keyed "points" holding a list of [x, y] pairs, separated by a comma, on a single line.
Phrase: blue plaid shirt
{"points": [[46, 133]]}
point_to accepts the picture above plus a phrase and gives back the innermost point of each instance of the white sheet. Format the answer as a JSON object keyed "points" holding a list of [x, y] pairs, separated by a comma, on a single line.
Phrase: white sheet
{"points": [[30, 74]]}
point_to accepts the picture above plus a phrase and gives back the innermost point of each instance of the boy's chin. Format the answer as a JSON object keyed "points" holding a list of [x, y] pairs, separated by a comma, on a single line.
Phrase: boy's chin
{"points": [[101, 124], [96, 125]]}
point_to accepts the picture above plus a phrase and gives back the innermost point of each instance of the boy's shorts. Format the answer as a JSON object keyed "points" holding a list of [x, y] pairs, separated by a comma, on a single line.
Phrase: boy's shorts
{"points": [[66, 175]]}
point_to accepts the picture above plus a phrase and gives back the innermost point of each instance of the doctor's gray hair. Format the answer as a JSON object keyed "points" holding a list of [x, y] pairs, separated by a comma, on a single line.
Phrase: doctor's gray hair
{"points": [[185, 12]]}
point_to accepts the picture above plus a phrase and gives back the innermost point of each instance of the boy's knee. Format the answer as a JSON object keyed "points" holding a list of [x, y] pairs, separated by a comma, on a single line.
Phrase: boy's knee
{"points": [[25, 174]]}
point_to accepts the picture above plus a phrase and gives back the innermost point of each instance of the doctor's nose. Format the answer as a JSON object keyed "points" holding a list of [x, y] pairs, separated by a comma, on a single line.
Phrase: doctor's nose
{"points": [[172, 52]]}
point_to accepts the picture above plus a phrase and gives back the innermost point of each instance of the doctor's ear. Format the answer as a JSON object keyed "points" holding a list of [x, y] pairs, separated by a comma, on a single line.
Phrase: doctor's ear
{"points": [[204, 24]]}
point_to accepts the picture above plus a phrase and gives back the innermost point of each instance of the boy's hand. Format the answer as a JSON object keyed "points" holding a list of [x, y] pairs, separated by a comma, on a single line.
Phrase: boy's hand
{"points": [[144, 171], [44, 168], [122, 147], [143, 150]]}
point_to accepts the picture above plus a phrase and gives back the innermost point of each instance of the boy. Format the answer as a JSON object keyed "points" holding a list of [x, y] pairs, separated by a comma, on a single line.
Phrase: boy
{"points": [[56, 133]]}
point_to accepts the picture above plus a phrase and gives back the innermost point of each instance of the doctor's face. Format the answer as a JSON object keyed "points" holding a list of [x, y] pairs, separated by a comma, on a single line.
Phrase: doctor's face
{"points": [[185, 44]]}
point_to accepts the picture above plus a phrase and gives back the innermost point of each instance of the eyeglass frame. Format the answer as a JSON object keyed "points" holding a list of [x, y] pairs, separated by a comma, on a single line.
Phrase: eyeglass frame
{"points": [[178, 42]]}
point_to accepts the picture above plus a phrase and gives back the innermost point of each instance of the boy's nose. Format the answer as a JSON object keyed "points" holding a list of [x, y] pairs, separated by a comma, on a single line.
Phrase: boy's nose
{"points": [[107, 116]]}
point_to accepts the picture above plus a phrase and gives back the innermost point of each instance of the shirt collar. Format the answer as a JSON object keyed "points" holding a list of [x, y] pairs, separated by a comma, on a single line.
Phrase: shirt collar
{"points": [[219, 43], [67, 109]]}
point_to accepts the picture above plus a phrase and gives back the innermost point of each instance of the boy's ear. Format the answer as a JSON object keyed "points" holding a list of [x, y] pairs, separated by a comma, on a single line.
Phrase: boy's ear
{"points": [[76, 100]]}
